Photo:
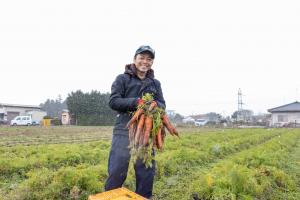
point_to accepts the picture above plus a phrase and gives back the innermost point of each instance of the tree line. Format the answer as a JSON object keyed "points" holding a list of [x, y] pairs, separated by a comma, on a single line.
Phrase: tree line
{"points": [[86, 109]]}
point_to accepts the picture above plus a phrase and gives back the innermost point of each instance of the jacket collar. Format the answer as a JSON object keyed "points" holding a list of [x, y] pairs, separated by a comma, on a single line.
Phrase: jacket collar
{"points": [[131, 70]]}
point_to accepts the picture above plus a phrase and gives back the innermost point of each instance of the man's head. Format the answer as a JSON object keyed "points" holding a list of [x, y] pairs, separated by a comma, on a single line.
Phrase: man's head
{"points": [[143, 58], [145, 49]]}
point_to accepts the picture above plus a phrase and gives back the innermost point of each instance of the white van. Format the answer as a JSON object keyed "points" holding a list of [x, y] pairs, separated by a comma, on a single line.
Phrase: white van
{"points": [[200, 122], [21, 121]]}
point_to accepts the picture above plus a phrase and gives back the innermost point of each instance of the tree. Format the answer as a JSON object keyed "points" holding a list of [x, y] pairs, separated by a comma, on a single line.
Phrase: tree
{"points": [[75, 103], [213, 117], [54, 107], [243, 115], [90, 108]]}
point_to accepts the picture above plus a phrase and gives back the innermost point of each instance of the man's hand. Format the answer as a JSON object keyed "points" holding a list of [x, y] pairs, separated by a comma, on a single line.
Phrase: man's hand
{"points": [[152, 104]]}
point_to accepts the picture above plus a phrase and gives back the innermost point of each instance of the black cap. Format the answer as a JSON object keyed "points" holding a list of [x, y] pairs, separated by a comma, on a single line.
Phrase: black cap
{"points": [[145, 48]]}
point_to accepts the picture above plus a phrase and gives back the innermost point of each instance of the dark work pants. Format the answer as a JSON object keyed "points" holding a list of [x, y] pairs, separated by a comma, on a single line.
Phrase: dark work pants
{"points": [[118, 162]]}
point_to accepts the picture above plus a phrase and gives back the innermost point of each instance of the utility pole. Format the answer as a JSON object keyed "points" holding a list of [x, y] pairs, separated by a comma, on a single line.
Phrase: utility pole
{"points": [[240, 106]]}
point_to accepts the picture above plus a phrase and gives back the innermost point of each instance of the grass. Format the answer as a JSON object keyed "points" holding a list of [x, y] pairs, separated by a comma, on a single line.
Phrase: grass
{"points": [[71, 163]]}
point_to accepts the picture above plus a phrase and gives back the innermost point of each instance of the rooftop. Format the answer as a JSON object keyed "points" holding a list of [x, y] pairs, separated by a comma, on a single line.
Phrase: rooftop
{"points": [[18, 105], [292, 107]]}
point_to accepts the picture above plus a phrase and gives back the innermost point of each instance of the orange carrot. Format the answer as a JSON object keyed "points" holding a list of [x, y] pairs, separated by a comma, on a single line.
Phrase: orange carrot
{"points": [[141, 138], [159, 139], [131, 132], [152, 105], [135, 117], [156, 141], [148, 128], [139, 129], [169, 126], [163, 134]]}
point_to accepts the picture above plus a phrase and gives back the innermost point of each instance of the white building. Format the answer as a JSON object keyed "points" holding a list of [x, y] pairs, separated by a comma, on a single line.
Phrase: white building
{"points": [[288, 114], [10, 111]]}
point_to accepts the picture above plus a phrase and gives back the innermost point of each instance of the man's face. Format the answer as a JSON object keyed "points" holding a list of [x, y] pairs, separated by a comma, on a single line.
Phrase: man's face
{"points": [[143, 62]]}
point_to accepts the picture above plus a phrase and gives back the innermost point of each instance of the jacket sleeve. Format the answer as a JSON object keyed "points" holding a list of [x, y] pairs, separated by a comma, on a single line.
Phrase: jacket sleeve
{"points": [[159, 98], [117, 101]]}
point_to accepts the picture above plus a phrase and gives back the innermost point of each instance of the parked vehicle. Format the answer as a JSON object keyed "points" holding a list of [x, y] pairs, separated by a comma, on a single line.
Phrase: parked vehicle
{"points": [[21, 121], [200, 122]]}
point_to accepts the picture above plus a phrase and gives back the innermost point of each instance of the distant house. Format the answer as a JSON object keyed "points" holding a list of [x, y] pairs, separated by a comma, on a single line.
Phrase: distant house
{"points": [[286, 114], [65, 117], [188, 119], [10, 111], [211, 117]]}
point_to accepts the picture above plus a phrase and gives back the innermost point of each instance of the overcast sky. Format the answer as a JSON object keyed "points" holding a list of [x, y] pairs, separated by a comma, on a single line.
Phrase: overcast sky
{"points": [[205, 50]]}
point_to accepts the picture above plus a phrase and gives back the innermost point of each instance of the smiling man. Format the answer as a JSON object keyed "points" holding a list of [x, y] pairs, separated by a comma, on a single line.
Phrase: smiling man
{"points": [[126, 93]]}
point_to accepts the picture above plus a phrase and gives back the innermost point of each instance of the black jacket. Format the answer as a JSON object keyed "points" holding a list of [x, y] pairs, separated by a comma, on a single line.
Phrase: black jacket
{"points": [[126, 90]]}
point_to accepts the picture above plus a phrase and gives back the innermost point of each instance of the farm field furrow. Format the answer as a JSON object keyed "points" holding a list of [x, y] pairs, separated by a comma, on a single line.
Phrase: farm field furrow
{"points": [[11, 136], [38, 141]]}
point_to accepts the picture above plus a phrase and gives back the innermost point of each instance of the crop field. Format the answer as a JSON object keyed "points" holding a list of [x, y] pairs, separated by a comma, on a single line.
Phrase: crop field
{"points": [[71, 163]]}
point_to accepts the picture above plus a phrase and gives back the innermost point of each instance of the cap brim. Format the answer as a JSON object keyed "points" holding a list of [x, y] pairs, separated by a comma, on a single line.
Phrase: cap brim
{"points": [[144, 51]]}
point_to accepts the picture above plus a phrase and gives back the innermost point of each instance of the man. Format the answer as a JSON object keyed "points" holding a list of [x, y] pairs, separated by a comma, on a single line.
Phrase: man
{"points": [[126, 93]]}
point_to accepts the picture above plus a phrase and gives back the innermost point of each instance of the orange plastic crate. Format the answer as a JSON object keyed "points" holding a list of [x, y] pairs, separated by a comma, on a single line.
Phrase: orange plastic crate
{"points": [[117, 194]]}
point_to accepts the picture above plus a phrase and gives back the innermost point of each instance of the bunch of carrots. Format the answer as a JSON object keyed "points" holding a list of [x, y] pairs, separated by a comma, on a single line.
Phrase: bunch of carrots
{"points": [[147, 129]]}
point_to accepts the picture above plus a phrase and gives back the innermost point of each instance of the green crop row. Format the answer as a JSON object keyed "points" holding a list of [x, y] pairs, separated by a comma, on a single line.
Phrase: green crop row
{"points": [[65, 183], [256, 173], [73, 171], [18, 160], [202, 151]]}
